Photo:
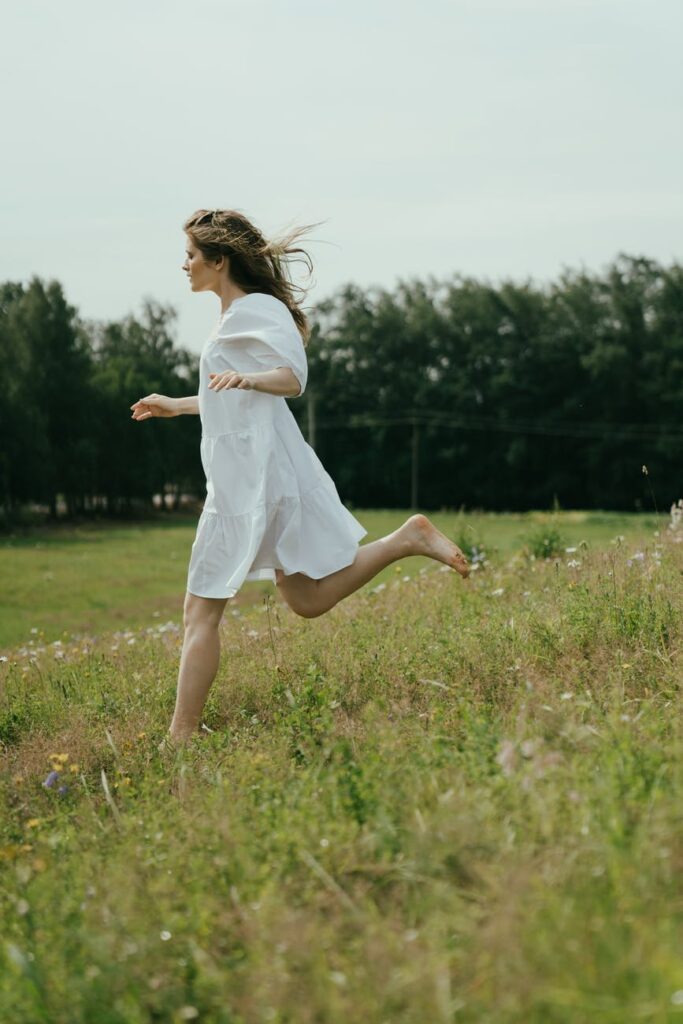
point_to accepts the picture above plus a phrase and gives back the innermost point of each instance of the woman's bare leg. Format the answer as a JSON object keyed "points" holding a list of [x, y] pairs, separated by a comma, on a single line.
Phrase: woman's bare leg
{"points": [[198, 663], [417, 536]]}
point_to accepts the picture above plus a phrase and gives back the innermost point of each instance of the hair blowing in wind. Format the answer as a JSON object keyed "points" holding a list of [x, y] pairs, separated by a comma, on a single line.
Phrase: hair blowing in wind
{"points": [[257, 264]]}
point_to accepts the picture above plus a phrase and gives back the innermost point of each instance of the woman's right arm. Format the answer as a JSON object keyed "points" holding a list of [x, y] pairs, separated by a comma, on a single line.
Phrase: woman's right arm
{"points": [[162, 405], [188, 405]]}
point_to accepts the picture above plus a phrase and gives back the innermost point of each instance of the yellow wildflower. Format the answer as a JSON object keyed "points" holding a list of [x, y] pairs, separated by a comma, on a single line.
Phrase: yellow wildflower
{"points": [[33, 822]]}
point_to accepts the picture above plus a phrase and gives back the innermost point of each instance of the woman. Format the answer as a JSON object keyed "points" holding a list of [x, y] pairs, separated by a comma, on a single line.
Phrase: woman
{"points": [[271, 509]]}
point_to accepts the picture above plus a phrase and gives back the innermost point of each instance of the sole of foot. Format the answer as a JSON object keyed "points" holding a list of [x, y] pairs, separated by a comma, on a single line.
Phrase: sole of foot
{"points": [[435, 544]]}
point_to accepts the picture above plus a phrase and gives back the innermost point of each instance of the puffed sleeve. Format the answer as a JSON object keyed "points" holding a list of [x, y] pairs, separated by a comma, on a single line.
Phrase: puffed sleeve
{"points": [[260, 333]]}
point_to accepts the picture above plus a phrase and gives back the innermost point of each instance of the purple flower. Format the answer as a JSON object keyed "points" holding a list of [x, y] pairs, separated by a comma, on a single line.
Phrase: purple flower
{"points": [[51, 779], [63, 789]]}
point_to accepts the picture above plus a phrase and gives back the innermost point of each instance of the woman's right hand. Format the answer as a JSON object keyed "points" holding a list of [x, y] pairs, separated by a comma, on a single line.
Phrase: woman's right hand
{"points": [[155, 405]]}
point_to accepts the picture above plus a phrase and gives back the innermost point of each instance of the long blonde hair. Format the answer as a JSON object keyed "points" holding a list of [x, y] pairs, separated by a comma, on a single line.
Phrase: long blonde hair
{"points": [[257, 264]]}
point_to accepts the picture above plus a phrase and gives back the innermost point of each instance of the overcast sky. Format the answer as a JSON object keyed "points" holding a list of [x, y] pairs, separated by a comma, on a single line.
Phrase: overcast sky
{"points": [[496, 139]]}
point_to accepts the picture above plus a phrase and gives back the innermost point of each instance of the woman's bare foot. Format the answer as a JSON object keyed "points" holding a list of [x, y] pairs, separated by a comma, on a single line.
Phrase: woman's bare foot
{"points": [[172, 741], [423, 538]]}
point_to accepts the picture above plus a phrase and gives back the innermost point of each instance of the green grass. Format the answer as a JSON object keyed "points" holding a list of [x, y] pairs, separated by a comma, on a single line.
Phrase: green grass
{"points": [[443, 801], [82, 580]]}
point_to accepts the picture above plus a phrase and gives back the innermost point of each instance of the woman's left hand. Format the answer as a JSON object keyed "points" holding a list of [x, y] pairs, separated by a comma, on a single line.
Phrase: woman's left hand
{"points": [[231, 379]]}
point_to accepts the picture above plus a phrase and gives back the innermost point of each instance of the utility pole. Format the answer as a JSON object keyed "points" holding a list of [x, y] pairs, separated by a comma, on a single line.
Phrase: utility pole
{"points": [[310, 408], [414, 465]]}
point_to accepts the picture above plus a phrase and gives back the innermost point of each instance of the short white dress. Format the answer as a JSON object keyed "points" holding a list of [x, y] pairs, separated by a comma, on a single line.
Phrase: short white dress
{"points": [[270, 504]]}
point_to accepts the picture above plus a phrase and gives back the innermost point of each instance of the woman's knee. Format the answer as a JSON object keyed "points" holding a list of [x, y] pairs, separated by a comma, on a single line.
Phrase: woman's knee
{"points": [[202, 611], [302, 602]]}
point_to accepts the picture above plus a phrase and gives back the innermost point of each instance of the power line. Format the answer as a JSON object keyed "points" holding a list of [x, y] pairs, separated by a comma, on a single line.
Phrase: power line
{"points": [[554, 428]]}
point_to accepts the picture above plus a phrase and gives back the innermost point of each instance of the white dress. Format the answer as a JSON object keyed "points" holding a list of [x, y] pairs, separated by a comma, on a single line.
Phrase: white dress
{"points": [[269, 504]]}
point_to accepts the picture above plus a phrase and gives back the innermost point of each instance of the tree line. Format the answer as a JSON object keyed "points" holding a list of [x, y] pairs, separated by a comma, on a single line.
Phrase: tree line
{"points": [[435, 394]]}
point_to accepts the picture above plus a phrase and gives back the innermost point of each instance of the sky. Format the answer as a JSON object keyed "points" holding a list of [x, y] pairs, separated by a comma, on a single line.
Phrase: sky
{"points": [[499, 139]]}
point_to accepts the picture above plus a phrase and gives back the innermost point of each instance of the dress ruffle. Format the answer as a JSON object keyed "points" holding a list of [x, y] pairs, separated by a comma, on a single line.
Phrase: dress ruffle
{"points": [[291, 534]]}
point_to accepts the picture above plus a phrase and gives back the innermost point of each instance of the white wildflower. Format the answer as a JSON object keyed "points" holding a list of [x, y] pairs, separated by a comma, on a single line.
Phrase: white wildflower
{"points": [[507, 757]]}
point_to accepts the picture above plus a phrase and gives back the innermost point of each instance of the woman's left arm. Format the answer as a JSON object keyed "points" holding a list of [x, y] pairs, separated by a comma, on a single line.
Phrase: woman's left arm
{"points": [[280, 381]]}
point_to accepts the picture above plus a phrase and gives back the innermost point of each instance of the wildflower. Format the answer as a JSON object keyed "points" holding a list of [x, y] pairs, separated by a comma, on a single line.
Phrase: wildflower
{"points": [[569, 551], [639, 556], [573, 563], [51, 779], [3, 657], [626, 664], [74, 768], [62, 790], [498, 592], [676, 514], [507, 757], [165, 936], [33, 822]]}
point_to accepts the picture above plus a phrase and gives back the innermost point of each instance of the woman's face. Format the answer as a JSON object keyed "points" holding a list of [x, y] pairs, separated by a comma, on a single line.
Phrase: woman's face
{"points": [[202, 276]]}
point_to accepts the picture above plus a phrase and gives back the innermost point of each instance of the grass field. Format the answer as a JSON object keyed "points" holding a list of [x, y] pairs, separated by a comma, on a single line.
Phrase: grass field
{"points": [[98, 577], [443, 801]]}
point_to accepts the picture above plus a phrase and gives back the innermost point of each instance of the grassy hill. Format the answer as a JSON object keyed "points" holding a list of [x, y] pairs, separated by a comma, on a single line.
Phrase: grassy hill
{"points": [[442, 801]]}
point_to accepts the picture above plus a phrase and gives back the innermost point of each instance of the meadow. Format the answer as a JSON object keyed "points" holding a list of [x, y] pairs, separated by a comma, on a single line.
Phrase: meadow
{"points": [[443, 801], [66, 581]]}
